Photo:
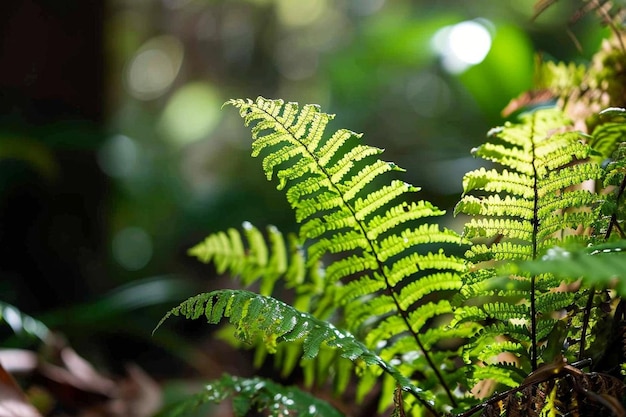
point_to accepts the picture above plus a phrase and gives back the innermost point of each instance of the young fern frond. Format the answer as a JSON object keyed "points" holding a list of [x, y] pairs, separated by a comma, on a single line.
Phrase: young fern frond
{"points": [[255, 395], [531, 201], [350, 209]]}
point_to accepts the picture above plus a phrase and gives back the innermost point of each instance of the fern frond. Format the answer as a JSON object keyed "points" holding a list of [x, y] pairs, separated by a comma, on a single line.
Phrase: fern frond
{"points": [[600, 266], [255, 258], [610, 132], [255, 316], [532, 200], [353, 212], [497, 182], [532, 193], [254, 395]]}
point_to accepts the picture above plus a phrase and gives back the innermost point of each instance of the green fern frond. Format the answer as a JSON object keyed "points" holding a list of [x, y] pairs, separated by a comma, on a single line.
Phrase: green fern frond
{"points": [[532, 200], [255, 316], [613, 208], [601, 266], [253, 259], [501, 374], [358, 221], [494, 181], [254, 395], [532, 196], [560, 77]]}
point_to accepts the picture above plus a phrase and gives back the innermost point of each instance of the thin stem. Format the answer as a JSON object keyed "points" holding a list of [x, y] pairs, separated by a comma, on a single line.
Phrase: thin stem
{"points": [[586, 318], [613, 222], [533, 307]]}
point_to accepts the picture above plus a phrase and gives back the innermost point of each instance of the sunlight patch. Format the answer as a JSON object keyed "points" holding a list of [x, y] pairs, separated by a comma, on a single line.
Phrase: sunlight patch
{"points": [[462, 45]]}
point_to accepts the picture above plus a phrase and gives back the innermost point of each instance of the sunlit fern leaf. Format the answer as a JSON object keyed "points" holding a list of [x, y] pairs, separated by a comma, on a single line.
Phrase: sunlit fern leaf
{"points": [[254, 395], [256, 257], [613, 208], [559, 77], [529, 197], [530, 200], [360, 222]]}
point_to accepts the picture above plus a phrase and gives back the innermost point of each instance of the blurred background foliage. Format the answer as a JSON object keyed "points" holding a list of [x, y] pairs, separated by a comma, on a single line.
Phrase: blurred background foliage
{"points": [[116, 157]]}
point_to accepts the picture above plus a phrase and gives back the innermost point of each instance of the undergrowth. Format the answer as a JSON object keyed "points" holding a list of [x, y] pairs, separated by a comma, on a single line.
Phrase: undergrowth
{"points": [[521, 314]]}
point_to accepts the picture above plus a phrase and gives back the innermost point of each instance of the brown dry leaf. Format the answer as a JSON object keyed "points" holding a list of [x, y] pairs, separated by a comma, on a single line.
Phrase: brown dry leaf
{"points": [[77, 384], [140, 395], [526, 100], [73, 383], [17, 361], [13, 402]]}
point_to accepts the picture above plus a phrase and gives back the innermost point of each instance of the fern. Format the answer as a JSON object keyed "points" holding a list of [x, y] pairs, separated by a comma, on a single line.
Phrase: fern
{"points": [[609, 132], [367, 259], [349, 208], [601, 266], [255, 316], [523, 208], [253, 259]]}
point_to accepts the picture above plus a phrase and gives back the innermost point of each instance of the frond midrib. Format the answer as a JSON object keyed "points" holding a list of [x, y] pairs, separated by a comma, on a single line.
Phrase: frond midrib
{"points": [[380, 266]]}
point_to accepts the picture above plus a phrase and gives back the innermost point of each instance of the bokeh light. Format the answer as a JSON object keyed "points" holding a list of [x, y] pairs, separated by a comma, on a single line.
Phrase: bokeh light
{"points": [[118, 156], [191, 113], [132, 248], [462, 45], [154, 67], [301, 12]]}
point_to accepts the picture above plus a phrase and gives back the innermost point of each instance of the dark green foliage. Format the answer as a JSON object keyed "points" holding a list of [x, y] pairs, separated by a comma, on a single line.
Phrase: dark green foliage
{"points": [[256, 395]]}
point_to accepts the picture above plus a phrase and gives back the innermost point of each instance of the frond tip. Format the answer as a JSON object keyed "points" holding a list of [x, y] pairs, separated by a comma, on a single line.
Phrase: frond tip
{"points": [[252, 256]]}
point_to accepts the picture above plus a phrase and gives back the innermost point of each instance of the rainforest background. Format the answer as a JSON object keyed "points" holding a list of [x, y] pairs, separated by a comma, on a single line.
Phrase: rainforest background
{"points": [[115, 155]]}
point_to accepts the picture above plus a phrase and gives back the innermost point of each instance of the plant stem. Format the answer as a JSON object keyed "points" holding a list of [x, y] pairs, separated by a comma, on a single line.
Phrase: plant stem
{"points": [[533, 307], [586, 317], [613, 223]]}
